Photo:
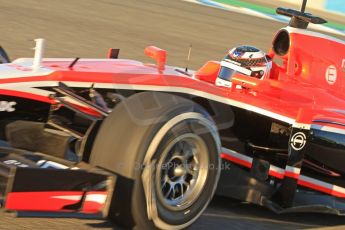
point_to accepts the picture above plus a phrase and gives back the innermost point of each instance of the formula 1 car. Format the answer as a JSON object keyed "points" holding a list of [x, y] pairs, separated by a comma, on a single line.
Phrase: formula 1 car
{"points": [[146, 144]]}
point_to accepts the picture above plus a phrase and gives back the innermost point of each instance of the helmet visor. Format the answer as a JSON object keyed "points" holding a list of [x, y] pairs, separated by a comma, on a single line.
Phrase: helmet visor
{"points": [[226, 73]]}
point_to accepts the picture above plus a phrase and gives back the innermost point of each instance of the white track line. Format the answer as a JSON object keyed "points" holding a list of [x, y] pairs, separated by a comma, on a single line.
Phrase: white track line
{"points": [[277, 18]]}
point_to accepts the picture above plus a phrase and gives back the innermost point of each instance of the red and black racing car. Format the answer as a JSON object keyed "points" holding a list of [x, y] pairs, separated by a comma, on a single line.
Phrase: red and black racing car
{"points": [[145, 144]]}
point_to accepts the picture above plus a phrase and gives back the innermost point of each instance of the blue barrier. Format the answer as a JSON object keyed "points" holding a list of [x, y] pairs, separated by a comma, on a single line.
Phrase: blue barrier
{"points": [[335, 5]]}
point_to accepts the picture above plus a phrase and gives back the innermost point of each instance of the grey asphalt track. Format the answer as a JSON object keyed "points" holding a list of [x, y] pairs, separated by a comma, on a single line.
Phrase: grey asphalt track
{"points": [[87, 28]]}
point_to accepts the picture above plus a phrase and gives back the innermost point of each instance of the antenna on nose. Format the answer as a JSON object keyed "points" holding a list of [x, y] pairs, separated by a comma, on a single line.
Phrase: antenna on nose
{"points": [[188, 57]]}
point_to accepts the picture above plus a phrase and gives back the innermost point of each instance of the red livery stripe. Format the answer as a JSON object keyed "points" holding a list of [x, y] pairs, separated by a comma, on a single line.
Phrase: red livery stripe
{"points": [[291, 175], [280, 173], [236, 160], [25, 95], [54, 201]]}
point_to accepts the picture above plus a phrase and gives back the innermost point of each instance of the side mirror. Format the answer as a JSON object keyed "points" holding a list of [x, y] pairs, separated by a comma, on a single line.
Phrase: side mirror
{"points": [[208, 72], [159, 55]]}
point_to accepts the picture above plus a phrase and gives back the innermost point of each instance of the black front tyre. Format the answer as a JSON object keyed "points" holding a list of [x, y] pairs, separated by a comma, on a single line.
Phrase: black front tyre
{"points": [[165, 151]]}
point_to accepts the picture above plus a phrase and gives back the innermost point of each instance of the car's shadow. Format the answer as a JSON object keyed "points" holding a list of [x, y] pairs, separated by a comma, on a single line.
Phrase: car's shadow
{"points": [[225, 213]]}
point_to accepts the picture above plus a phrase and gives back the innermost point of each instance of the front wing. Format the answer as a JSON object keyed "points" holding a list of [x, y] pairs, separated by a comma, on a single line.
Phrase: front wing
{"points": [[35, 182]]}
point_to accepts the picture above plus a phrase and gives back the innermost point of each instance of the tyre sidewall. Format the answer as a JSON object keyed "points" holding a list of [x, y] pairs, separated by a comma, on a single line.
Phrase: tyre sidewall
{"points": [[174, 219]]}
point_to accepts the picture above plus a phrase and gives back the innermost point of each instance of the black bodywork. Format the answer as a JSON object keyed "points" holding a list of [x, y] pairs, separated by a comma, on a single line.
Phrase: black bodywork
{"points": [[42, 147], [265, 140]]}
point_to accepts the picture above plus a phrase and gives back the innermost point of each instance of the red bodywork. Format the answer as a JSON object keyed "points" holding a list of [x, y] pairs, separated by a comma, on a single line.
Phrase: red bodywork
{"points": [[55, 201], [308, 86], [299, 84]]}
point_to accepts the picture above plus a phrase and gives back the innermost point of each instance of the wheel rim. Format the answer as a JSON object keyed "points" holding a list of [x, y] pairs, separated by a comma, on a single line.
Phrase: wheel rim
{"points": [[182, 171]]}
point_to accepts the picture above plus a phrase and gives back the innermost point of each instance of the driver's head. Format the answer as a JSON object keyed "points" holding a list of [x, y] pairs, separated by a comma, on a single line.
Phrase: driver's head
{"points": [[246, 60]]}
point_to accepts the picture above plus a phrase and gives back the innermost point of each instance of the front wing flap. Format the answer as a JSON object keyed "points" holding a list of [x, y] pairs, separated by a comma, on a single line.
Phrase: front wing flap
{"points": [[35, 182]]}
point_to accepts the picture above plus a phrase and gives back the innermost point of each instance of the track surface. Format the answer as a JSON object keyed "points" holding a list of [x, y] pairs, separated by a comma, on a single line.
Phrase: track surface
{"points": [[87, 28], [223, 214]]}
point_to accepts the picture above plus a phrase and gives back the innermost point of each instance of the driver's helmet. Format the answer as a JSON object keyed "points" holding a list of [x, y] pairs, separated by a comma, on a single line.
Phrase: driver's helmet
{"points": [[247, 60]]}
